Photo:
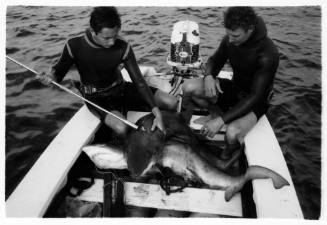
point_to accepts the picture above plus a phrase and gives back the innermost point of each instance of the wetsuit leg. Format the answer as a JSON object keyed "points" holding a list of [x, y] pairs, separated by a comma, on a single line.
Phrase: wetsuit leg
{"points": [[195, 89], [165, 101], [100, 101], [117, 125], [134, 101], [111, 101], [235, 134]]}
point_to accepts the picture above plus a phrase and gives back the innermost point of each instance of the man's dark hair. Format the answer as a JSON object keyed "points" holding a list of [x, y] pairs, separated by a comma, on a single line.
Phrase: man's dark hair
{"points": [[239, 17], [104, 17]]}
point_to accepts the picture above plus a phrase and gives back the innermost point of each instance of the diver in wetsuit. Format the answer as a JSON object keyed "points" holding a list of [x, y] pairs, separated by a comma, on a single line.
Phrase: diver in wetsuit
{"points": [[98, 55], [254, 60]]}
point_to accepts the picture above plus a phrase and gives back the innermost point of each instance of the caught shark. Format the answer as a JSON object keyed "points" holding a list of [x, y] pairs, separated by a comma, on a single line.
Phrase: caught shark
{"points": [[178, 149]]}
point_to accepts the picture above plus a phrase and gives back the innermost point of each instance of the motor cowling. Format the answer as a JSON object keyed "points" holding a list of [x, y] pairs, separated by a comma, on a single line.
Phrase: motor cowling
{"points": [[185, 46]]}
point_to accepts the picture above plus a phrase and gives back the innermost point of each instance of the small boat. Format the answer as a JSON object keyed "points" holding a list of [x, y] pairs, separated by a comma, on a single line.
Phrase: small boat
{"points": [[36, 193]]}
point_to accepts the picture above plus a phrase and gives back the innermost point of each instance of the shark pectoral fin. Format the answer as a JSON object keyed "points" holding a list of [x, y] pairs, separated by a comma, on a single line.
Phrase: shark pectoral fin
{"points": [[106, 157]]}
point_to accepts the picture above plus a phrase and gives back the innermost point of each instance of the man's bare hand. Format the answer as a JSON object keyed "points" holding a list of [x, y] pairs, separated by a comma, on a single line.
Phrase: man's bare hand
{"points": [[211, 87]]}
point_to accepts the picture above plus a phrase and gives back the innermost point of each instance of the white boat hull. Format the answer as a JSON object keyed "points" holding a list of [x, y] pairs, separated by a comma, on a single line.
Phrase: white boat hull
{"points": [[33, 195]]}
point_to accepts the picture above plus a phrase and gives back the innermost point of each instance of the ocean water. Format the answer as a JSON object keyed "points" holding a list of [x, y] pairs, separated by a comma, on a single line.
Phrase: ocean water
{"points": [[35, 36]]}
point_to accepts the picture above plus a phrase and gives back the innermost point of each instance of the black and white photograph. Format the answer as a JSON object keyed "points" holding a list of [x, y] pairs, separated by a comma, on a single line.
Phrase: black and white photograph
{"points": [[180, 110]]}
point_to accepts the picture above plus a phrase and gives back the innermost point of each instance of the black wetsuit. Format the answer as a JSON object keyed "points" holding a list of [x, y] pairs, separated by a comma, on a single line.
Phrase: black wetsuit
{"points": [[254, 65], [99, 70]]}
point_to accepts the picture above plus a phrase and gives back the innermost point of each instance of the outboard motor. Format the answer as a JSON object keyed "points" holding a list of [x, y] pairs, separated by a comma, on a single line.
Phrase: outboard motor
{"points": [[184, 58], [184, 54]]}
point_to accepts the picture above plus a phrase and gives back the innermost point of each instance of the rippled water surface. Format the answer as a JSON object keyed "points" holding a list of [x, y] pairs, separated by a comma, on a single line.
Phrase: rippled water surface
{"points": [[35, 114]]}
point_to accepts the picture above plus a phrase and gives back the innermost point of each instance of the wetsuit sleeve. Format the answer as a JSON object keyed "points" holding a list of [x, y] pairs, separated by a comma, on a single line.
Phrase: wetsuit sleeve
{"points": [[216, 62], [262, 84], [137, 78], [63, 64]]}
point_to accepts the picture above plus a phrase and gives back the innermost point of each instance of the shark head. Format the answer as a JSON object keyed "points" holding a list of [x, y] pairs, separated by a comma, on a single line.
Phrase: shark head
{"points": [[142, 146]]}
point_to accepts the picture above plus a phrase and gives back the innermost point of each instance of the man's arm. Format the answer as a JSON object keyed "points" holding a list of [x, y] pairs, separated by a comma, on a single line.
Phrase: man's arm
{"points": [[216, 62], [60, 69], [66, 60], [263, 79], [137, 78]]}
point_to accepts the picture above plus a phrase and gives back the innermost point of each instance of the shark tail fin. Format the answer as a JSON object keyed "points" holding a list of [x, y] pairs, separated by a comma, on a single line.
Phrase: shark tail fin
{"points": [[255, 172], [259, 172]]}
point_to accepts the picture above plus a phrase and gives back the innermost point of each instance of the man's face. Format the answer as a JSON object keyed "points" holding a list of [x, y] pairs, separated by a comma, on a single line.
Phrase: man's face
{"points": [[238, 36], [106, 37]]}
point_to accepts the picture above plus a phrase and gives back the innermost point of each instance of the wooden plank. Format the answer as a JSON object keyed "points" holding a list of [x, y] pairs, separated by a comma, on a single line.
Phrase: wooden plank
{"points": [[33, 195], [190, 199], [262, 148]]}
